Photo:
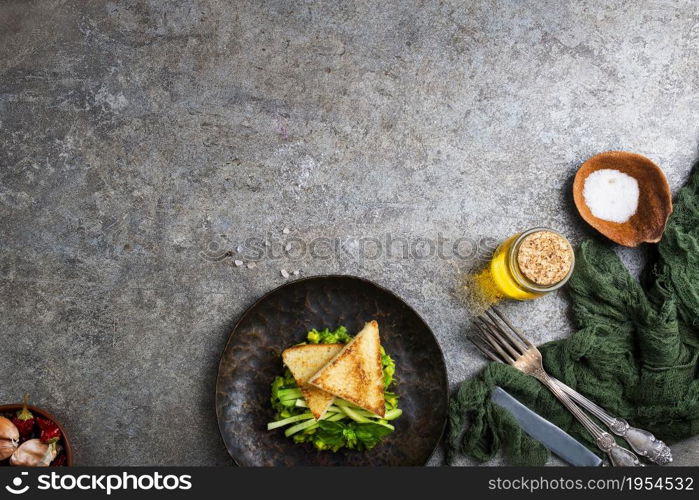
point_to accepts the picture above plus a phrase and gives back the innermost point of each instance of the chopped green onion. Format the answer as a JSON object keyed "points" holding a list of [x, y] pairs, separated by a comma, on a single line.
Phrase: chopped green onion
{"points": [[290, 420], [300, 427], [393, 414], [351, 413]]}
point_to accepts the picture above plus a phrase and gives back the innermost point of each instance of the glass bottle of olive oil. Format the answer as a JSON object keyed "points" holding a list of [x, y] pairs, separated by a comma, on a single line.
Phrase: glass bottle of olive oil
{"points": [[532, 263]]}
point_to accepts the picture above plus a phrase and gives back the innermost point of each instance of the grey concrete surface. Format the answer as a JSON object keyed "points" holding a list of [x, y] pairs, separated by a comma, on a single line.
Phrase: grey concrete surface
{"points": [[141, 143]]}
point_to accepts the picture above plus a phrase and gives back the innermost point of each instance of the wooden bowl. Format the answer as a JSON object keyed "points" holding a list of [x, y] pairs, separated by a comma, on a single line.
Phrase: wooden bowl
{"points": [[654, 203], [65, 441]]}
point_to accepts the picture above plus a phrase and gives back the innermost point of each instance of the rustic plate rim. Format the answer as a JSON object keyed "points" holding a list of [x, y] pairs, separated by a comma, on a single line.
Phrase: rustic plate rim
{"points": [[367, 281]]}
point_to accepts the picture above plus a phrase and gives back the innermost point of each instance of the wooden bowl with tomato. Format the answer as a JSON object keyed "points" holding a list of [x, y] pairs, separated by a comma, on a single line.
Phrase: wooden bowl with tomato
{"points": [[66, 449]]}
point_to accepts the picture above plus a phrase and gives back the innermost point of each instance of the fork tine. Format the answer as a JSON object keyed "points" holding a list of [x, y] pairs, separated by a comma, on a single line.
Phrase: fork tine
{"points": [[487, 330], [483, 350], [492, 342], [480, 335], [515, 330], [506, 341], [515, 337]]}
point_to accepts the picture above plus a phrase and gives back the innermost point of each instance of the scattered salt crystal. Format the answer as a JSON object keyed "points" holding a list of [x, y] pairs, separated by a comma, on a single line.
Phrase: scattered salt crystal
{"points": [[296, 273], [238, 263], [266, 243], [285, 274], [239, 249], [611, 195], [252, 265], [287, 247], [285, 230]]}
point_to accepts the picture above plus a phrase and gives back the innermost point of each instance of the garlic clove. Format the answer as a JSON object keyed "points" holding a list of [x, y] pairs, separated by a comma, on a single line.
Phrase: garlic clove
{"points": [[9, 438], [7, 448], [8, 430], [34, 453]]}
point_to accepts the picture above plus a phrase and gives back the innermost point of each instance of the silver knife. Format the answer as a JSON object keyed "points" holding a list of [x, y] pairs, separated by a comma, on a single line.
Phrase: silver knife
{"points": [[553, 437]]}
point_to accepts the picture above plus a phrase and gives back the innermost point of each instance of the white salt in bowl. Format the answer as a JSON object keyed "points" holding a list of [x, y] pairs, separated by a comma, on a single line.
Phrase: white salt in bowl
{"points": [[624, 196]]}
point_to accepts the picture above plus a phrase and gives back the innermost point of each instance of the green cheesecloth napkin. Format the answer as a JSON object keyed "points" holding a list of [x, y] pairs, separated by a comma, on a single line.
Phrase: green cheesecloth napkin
{"points": [[634, 352]]}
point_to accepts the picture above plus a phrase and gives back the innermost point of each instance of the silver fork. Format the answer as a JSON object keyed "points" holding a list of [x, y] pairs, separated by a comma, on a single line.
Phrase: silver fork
{"points": [[513, 348], [642, 442]]}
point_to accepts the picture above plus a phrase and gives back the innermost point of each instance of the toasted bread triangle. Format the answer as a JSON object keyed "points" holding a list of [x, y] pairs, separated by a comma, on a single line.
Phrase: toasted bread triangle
{"points": [[355, 373], [305, 360]]}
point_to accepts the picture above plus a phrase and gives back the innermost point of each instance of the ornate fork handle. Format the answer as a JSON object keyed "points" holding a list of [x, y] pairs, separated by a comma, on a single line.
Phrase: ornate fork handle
{"points": [[643, 442], [618, 456]]}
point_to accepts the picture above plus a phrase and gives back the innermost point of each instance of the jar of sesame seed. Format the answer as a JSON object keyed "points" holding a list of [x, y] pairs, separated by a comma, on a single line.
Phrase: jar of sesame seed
{"points": [[532, 263]]}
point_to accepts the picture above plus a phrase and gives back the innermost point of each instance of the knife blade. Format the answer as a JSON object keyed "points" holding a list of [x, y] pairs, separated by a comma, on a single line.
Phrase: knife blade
{"points": [[553, 437]]}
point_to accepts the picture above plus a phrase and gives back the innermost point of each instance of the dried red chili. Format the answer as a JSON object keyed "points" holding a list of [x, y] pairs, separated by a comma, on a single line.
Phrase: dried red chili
{"points": [[24, 421], [50, 433]]}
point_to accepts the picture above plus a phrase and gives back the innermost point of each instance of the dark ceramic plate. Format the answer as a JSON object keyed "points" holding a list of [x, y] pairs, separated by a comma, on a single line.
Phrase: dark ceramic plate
{"points": [[280, 319]]}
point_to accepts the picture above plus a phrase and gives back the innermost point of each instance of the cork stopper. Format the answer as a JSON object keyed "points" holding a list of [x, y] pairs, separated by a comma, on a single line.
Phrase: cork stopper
{"points": [[545, 258]]}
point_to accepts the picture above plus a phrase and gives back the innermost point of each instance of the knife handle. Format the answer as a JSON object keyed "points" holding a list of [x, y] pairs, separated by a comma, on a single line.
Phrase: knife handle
{"points": [[643, 442]]}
